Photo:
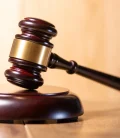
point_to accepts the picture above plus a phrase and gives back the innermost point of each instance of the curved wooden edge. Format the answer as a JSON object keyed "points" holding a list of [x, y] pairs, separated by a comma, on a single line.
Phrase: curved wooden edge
{"points": [[32, 106], [15, 107]]}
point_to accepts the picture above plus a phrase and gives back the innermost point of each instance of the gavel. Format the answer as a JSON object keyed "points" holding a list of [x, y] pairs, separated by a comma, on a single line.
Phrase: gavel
{"points": [[31, 54]]}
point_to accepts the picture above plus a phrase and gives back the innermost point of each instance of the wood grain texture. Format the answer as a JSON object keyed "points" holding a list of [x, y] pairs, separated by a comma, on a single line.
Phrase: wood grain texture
{"points": [[12, 130]]}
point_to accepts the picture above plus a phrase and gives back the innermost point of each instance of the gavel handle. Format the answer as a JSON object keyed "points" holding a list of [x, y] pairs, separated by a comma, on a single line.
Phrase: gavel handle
{"points": [[72, 67]]}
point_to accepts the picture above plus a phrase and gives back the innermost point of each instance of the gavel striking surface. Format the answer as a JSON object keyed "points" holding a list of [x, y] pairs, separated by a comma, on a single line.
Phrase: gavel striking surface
{"points": [[47, 102]]}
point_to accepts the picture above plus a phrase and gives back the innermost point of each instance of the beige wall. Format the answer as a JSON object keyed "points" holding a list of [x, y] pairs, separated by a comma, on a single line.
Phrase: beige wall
{"points": [[88, 32]]}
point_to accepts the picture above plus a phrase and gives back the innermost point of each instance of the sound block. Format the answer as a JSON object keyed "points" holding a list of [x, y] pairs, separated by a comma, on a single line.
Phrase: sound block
{"points": [[47, 102]]}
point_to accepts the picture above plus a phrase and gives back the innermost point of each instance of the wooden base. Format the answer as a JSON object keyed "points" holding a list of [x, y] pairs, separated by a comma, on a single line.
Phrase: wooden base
{"points": [[48, 102]]}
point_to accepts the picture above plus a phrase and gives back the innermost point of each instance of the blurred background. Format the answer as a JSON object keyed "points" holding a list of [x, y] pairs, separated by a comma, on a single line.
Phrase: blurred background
{"points": [[88, 32]]}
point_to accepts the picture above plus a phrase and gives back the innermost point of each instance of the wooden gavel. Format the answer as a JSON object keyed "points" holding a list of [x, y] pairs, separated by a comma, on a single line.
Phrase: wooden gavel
{"points": [[31, 54]]}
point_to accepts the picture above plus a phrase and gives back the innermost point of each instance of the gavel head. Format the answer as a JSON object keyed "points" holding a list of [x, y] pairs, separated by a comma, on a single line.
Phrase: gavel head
{"points": [[30, 53]]}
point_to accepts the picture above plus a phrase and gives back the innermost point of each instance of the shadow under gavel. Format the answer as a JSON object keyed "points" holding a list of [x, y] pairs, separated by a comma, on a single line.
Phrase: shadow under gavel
{"points": [[31, 54]]}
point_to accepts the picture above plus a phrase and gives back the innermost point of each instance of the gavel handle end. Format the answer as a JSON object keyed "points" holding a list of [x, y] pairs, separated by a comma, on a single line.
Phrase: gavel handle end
{"points": [[72, 67]]}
